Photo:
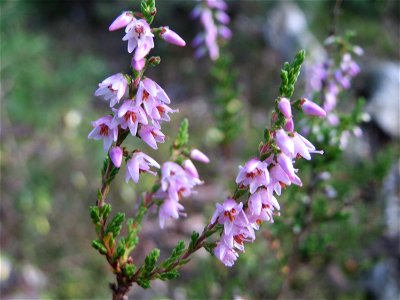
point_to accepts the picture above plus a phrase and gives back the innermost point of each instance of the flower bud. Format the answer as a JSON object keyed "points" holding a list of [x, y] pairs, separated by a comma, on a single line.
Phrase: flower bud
{"points": [[285, 107], [289, 125], [116, 154], [284, 142], [190, 168], [124, 19], [138, 65], [199, 156], [171, 37], [311, 108]]}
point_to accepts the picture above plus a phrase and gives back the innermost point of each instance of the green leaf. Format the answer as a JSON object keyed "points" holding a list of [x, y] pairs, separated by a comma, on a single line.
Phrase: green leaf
{"points": [[105, 210], [121, 249], [98, 245], [143, 282], [193, 240], [175, 255], [169, 275], [129, 270], [115, 225], [150, 261], [94, 214], [183, 134]]}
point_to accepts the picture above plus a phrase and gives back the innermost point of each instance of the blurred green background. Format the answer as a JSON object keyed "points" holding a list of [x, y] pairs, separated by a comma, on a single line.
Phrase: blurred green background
{"points": [[53, 55]]}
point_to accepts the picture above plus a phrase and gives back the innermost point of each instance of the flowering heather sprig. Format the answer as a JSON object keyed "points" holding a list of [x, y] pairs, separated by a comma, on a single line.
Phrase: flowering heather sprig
{"points": [[327, 80], [214, 19], [263, 176]]}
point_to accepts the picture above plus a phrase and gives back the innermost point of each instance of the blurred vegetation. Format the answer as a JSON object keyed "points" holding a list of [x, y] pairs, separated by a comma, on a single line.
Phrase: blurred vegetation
{"points": [[53, 54]]}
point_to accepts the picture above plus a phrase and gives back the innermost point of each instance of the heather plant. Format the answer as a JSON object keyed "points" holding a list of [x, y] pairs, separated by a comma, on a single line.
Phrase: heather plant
{"points": [[143, 107]]}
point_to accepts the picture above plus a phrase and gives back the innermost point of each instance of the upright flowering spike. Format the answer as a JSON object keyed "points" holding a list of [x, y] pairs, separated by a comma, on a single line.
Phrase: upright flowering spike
{"points": [[112, 88], [121, 21], [139, 163], [254, 174], [171, 37], [311, 108], [285, 107], [104, 130], [199, 156], [116, 155], [139, 37]]}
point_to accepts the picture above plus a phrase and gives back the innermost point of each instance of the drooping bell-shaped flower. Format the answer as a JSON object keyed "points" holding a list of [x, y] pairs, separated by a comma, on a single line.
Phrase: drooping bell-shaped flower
{"points": [[151, 135], [112, 88], [254, 174], [199, 156], [139, 37], [104, 130], [139, 163]]}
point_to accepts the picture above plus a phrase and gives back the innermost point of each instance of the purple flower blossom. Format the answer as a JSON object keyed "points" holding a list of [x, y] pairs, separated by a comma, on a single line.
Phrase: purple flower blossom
{"points": [[284, 142], [151, 135], [225, 254], [121, 21], [116, 155], [169, 209], [103, 130], [171, 37], [254, 174], [213, 18], [139, 163], [149, 94], [139, 37], [130, 116], [112, 88], [138, 65], [228, 214]]}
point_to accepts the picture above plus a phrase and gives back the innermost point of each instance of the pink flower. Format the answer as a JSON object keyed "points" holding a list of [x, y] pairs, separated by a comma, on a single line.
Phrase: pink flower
{"points": [[169, 209], [262, 196], [286, 164], [149, 94], [284, 142], [121, 21], [112, 88], [311, 108], [171, 37], [303, 147], [225, 254], [160, 112], [254, 174], [139, 163], [285, 107], [130, 116], [151, 135], [103, 130], [116, 155], [228, 214], [199, 156], [139, 37]]}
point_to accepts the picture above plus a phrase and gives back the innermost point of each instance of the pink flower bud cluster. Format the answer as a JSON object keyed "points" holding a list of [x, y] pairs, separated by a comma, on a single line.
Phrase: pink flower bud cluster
{"points": [[177, 182], [213, 17], [263, 178], [140, 113]]}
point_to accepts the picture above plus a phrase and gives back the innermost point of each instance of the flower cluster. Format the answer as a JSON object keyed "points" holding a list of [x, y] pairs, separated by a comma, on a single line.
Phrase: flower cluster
{"points": [[331, 78], [213, 17], [263, 177], [144, 104], [177, 181]]}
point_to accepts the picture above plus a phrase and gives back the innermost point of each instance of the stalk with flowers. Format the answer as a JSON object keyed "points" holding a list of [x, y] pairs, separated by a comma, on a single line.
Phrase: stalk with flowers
{"points": [[143, 107]]}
